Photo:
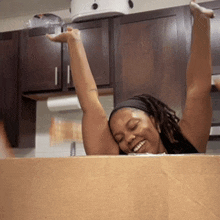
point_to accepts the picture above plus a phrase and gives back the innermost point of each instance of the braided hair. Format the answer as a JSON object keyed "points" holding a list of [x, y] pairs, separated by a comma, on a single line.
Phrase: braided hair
{"points": [[164, 116]]}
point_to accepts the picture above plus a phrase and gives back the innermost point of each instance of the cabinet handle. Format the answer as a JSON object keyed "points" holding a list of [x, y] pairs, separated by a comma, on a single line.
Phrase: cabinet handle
{"points": [[68, 74], [56, 76]]}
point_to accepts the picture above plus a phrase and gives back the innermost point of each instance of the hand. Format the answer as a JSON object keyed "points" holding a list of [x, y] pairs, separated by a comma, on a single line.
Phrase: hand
{"points": [[195, 8], [70, 34]]}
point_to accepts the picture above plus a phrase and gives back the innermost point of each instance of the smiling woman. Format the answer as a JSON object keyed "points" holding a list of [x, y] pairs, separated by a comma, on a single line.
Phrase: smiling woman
{"points": [[136, 132], [144, 124]]}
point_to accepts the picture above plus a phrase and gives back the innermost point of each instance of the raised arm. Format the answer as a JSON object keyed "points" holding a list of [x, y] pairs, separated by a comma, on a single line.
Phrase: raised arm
{"points": [[196, 121], [97, 138]]}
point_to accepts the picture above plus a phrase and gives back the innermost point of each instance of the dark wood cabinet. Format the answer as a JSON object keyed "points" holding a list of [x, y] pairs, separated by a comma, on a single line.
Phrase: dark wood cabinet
{"points": [[45, 65], [9, 83], [150, 56], [95, 37], [19, 113], [40, 60]]}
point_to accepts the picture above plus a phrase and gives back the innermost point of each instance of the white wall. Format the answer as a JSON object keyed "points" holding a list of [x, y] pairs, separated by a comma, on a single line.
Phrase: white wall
{"points": [[43, 116]]}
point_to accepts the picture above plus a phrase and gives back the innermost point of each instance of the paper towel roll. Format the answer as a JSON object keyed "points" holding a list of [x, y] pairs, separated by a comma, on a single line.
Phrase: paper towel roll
{"points": [[63, 103]]}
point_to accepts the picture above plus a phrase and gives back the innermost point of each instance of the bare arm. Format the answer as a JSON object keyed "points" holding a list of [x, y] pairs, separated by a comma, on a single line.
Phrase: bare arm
{"points": [[97, 137], [196, 121]]}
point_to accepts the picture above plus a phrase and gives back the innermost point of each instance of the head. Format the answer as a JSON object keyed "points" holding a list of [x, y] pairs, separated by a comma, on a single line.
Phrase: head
{"points": [[138, 124]]}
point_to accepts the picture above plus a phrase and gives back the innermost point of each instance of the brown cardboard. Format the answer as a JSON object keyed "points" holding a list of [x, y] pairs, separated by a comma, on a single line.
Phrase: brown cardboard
{"points": [[115, 187]]}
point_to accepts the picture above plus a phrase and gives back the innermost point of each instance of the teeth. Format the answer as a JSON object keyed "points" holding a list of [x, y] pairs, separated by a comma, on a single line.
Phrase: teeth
{"points": [[139, 146]]}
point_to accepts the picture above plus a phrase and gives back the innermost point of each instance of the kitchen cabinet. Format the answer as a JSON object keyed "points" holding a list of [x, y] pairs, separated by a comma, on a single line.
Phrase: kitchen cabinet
{"points": [[19, 112], [45, 65], [9, 81], [40, 60], [150, 56], [95, 37]]}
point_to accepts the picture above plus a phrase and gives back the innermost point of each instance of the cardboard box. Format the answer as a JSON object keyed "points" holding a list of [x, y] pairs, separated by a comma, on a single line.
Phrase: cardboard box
{"points": [[111, 187]]}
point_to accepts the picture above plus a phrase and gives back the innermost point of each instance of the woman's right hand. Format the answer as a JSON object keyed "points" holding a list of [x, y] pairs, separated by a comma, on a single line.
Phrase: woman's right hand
{"points": [[70, 34]]}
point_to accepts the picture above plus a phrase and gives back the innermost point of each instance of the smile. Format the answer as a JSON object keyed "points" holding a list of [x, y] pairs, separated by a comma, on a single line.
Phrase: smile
{"points": [[139, 146]]}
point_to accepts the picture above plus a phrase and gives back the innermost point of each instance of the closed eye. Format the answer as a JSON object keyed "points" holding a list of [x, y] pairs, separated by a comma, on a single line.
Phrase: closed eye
{"points": [[134, 126], [118, 139]]}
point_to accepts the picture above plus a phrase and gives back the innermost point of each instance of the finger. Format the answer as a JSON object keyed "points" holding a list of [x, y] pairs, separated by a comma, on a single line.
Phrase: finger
{"points": [[57, 38]]}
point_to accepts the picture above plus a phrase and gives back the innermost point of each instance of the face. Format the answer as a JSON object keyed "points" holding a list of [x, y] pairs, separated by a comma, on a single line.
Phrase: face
{"points": [[136, 132]]}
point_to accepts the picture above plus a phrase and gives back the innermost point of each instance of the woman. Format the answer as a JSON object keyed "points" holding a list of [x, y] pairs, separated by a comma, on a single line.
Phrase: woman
{"points": [[144, 124]]}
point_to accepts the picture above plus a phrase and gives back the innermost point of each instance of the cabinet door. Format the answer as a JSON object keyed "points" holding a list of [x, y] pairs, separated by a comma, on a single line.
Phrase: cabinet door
{"points": [[8, 77], [95, 38], [150, 56], [40, 60]]}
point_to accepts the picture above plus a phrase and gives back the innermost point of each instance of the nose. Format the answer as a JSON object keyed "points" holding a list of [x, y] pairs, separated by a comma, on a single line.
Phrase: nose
{"points": [[129, 137]]}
